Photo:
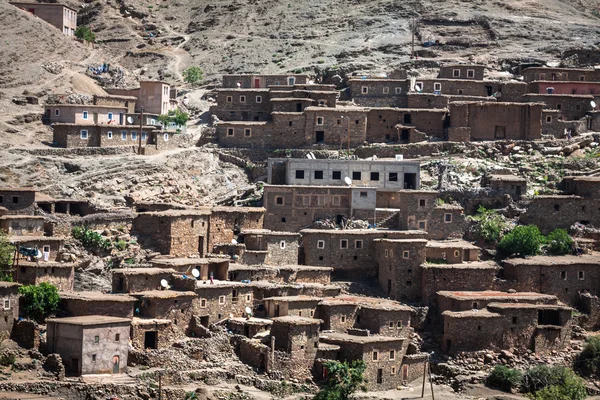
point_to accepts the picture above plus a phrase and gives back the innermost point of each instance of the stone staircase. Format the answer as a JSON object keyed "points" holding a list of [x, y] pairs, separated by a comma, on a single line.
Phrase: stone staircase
{"points": [[386, 217]]}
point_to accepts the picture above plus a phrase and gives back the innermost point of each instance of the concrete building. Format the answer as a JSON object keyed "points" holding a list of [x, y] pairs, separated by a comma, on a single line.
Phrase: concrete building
{"points": [[94, 344], [155, 97], [263, 81], [58, 15], [383, 174]]}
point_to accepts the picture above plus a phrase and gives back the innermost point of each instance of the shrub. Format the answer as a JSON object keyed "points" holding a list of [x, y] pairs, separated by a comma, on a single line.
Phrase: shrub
{"points": [[193, 75], [90, 239], [343, 380], [588, 361], [84, 32], [7, 359], [522, 241], [40, 301], [553, 383], [504, 378], [490, 226], [7, 250], [177, 117], [121, 245], [559, 242]]}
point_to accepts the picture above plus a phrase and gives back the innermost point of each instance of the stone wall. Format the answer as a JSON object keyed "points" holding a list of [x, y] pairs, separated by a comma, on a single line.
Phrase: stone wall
{"points": [[553, 211], [226, 222], [18, 201], [9, 296], [60, 275], [75, 307], [468, 276], [400, 267]]}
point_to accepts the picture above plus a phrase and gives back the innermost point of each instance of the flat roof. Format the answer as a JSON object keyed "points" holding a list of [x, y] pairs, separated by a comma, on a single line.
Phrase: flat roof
{"points": [[143, 271], [289, 319], [217, 284], [17, 216], [334, 161], [366, 302], [291, 267], [291, 299], [176, 213], [163, 294], [90, 320], [588, 259], [305, 187], [484, 313], [6, 285], [507, 178], [501, 306], [19, 239], [363, 232], [96, 296], [463, 265], [183, 261], [491, 294], [344, 337], [252, 321], [449, 244], [238, 209], [267, 232], [22, 189], [42, 4]]}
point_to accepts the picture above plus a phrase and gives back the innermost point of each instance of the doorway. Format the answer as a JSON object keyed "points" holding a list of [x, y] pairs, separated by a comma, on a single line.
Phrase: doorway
{"points": [[204, 321], [277, 310], [407, 119], [466, 255], [75, 365], [115, 365], [151, 340], [389, 286], [201, 245], [319, 136], [410, 181], [489, 90], [500, 132], [247, 331], [405, 137], [256, 83], [298, 107], [405, 373], [518, 191], [380, 375], [121, 285]]}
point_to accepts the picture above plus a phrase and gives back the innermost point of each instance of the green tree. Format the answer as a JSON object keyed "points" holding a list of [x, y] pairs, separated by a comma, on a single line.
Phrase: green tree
{"points": [[343, 380], [84, 32], [489, 225], [40, 301], [504, 378], [588, 361], [560, 383], [89, 239], [7, 250], [193, 75], [174, 116], [522, 241], [559, 242]]}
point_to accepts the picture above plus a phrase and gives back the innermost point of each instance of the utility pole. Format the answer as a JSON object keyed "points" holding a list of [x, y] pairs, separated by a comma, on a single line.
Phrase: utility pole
{"points": [[413, 30], [141, 127], [160, 374], [348, 133]]}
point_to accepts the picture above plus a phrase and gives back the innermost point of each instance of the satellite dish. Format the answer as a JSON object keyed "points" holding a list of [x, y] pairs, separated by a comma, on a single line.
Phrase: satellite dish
{"points": [[130, 120], [38, 254], [593, 104], [239, 85], [164, 283], [233, 241], [312, 156], [348, 181], [248, 310], [195, 273]]}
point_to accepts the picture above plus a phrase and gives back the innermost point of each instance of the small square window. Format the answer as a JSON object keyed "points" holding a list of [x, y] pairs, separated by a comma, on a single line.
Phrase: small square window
{"points": [[358, 244], [336, 175], [581, 275], [364, 194], [559, 106], [399, 325], [96, 339], [393, 372], [299, 174], [423, 225], [318, 174], [578, 107], [456, 73], [259, 99], [282, 244], [229, 99], [514, 320], [343, 243], [398, 90], [391, 324], [319, 120], [386, 253], [123, 135], [242, 99], [437, 87], [117, 337], [109, 116], [447, 218], [374, 176], [320, 244], [279, 200], [422, 203], [57, 112], [247, 132], [364, 90], [392, 353], [229, 131], [248, 298], [356, 175], [84, 134], [386, 90], [548, 118], [563, 275], [202, 303], [109, 135], [339, 121], [6, 304], [343, 318], [133, 135], [93, 358], [406, 254], [470, 73], [393, 177], [221, 300], [375, 355], [85, 115]]}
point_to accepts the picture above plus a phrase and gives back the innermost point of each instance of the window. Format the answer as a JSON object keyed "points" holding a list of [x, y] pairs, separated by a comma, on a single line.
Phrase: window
{"points": [[582, 78], [398, 90], [279, 200], [423, 225], [559, 106], [364, 90], [144, 136], [356, 175], [229, 99], [563, 275], [320, 244], [391, 324], [386, 90], [470, 73], [456, 73], [248, 298], [393, 177], [514, 320], [96, 339], [242, 99], [578, 107], [364, 194], [318, 174], [437, 87], [374, 176], [221, 299], [406, 254], [202, 303], [110, 116], [57, 112], [343, 243], [247, 132], [343, 318], [1, 199], [549, 118], [336, 175], [339, 121], [319, 120], [475, 305], [393, 371], [133, 135], [84, 134], [109, 135], [447, 218], [117, 337], [85, 115], [259, 99], [392, 353], [123, 135], [6, 304], [557, 207], [282, 244], [93, 357], [300, 314], [358, 244], [399, 325], [375, 355], [422, 203], [15, 199], [386, 253], [229, 131], [581, 275]]}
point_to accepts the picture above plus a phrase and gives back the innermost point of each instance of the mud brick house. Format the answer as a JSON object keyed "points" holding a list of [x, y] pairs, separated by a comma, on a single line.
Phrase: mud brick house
{"points": [[60, 16], [104, 110], [78, 304], [473, 121], [462, 71], [382, 355], [173, 305], [379, 92], [477, 275], [242, 104], [227, 222], [249, 327], [405, 125], [565, 87], [383, 174], [155, 97], [584, 186], [399, 262], [514, 186], [451, 251], [570, 107], [263, 246], [344, 126], [177, 233], [300, 306], [291, 208], [280, 273], [59, 274], [297, 336], [9, 295], [22, 225], [217, 266], [135, 280], [562, 276], [93, 344], [51, 247], [539, 327], [153, 333], [348, 251], [417, 100], [549, 212], [19, 201], [263, 289], [263, 81], [561, 74], [478, 300], [80, 135]]}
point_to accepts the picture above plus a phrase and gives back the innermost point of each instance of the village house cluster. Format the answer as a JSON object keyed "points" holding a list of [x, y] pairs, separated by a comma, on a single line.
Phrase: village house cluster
{"points": [[265, 273]]}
